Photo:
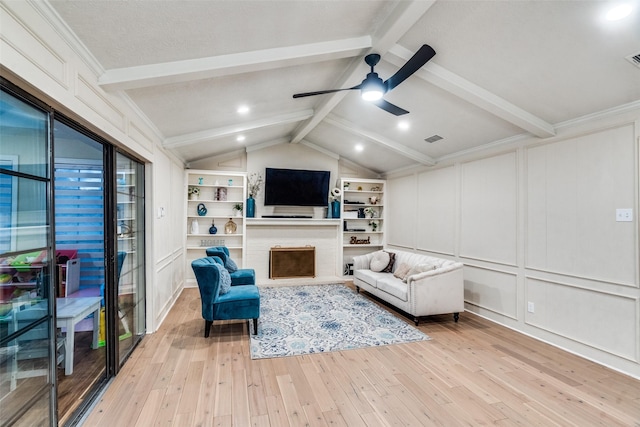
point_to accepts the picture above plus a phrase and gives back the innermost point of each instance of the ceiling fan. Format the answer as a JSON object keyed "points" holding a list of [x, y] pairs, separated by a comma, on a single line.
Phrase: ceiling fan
{"points": [[373, 88]]}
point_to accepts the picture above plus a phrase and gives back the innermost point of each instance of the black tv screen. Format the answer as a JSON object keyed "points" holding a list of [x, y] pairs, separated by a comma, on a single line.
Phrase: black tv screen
{"points": [[295, 187]]}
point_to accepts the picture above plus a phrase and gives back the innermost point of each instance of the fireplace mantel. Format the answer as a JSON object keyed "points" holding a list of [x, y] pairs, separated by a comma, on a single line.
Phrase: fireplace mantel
{"points": [[292, 222]]}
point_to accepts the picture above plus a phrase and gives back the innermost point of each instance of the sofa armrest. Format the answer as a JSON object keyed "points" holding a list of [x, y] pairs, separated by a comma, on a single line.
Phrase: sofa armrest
{"points": [[438, 291], [361, 262], [442, 270]]}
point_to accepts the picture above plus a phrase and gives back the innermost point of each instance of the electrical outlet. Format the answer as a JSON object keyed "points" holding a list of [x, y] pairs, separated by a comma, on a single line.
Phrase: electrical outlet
{"points": [[624, 215], [531, 307]]}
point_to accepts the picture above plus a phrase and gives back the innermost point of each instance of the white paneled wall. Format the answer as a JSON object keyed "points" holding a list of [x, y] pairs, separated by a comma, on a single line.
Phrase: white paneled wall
{"points": [[574, 188], [437, 208], [403, 220], [536, 229], [488, 209]]}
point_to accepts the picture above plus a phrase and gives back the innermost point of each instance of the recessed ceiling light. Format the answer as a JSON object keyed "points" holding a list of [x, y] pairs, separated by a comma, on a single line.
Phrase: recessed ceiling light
{"points": [[243, 109], [240, 138], [359, 147], [403, 125], [619, 12]]}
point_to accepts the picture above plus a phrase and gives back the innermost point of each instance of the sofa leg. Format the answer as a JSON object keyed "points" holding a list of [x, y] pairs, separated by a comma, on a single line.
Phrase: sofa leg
{"points": [[456, 316], [358, 289], [416, 321], [255, 326], [207, 328]]}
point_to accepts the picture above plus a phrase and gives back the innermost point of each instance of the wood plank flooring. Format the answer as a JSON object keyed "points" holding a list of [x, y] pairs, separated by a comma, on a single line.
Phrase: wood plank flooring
{"points": [[471, 373]]}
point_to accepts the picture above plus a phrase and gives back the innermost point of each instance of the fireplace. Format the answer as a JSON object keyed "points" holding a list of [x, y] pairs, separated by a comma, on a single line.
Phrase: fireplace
{"points": [[286, 263]]}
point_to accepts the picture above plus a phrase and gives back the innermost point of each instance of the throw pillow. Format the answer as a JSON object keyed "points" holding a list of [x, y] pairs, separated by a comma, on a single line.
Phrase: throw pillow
{"points": [[392, 261], [230, 265], [402, 270], [379, 261], [420, 268], [225, 279]]}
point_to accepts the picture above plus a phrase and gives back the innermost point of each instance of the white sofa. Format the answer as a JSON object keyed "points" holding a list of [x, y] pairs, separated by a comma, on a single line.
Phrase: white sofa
{"points": [[438, 290]]}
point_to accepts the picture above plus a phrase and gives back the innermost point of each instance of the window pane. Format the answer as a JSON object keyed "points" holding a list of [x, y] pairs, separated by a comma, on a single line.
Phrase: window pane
{"points": [[130, 230], [24, 362], [23, 219], [23, 129]]}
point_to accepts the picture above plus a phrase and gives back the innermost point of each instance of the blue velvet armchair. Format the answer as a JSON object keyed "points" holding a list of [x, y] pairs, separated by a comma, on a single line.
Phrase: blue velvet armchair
{"points": [[241, 302], [243, 276]]}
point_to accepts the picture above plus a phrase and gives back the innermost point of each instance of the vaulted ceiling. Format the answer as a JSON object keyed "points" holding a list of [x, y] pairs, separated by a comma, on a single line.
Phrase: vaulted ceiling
{"points": [[503, 70]]}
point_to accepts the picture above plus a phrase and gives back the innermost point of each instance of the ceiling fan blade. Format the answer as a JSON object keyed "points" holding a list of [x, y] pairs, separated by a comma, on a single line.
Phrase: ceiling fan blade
{"points": [[389, 107], [421, 57], [322, 92]]}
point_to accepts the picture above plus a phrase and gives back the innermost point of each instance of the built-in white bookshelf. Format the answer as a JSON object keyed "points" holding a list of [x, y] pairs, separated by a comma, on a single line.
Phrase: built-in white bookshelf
{"points": [[362, 206], [218, 192]]}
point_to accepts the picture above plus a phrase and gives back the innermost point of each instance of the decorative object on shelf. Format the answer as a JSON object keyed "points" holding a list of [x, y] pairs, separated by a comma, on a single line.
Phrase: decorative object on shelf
{"points": [[346, 185], [221, 194], [212, 242], [202, 209], [195, 227], [361, 213], [230, 227], [371, 212], [359, 188], [251, 207], [355, 241], [374, 225], [194, 192], [238, 209], [336, 193], [217, 183], [254, 184], [213, 229], [200, 181], [376, 188], [230, 182], [373, 200]]}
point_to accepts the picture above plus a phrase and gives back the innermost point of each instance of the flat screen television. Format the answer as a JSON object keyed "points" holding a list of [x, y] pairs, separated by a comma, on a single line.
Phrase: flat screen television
{"points": [[296, 187]]}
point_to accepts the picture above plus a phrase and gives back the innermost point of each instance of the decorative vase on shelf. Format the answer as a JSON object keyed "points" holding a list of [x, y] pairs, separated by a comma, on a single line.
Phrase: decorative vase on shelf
{"points": [[251, 207], [230, 227], [335, 209], [202, 209], [213, 229], [195, 227], [329, 210]]}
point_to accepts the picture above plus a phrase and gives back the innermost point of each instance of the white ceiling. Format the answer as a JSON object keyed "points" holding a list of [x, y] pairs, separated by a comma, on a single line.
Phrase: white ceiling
{"points": [[502, 69]]}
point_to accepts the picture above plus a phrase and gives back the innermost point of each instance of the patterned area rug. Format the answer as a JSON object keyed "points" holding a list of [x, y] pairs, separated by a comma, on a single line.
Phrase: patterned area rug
{"points": [[320, 318]]}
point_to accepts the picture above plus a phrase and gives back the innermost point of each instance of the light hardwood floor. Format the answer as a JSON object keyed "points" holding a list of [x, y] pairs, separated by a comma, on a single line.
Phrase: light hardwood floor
{"points": [[471, 373]]}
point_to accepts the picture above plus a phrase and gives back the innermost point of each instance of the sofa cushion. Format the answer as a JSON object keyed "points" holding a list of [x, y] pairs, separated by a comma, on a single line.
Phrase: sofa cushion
{"points": [[392, 261], [393, 286], [369, 277], [379, 261], [402, 270]]}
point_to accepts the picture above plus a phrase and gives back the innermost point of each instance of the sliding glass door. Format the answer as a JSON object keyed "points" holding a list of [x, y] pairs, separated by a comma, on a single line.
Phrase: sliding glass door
{"points": [[130, 253], [72, 282], [30, 347]]}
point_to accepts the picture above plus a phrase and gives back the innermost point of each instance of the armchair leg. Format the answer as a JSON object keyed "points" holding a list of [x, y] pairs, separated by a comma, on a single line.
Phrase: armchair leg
{"points": [[255, 326], [207, 328], [456, 316]]}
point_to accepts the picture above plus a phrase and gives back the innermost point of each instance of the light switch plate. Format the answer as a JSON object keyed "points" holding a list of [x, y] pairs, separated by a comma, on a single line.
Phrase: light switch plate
{"points": [[624, 215]]}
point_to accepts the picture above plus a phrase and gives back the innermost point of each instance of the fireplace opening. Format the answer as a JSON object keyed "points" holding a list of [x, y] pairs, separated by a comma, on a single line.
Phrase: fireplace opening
{"points": [[287, 263]]}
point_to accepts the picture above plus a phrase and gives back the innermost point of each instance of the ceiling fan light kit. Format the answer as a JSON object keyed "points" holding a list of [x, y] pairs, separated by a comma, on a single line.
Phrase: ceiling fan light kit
{"points": [[373, 88]]}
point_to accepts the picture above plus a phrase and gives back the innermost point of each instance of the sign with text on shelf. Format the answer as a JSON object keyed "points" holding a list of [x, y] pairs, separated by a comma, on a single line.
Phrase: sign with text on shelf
{"points": [[355, 241]]}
